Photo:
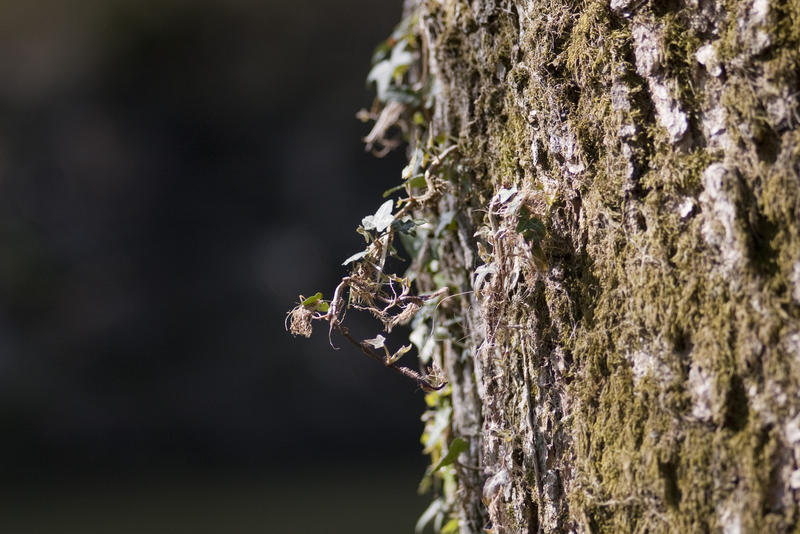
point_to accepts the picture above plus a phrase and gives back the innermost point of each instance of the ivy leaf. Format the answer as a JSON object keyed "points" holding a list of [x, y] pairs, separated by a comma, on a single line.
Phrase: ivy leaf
{"points": [[531, 228], [402, 95], [427, 516], [417, 181], [315, 303], [385, 71], [413, 166], [382, 218], [381, 74], [451, 527], [393, 189], [355, 257], [404, 227], [377, 342], [441, 421], [414, 181], [504, 194], [445, 222], [312, 300], [457, 446], [412, 242], [425, 343]]}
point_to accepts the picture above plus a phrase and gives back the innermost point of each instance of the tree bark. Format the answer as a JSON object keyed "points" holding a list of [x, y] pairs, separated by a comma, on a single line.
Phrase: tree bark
{"points": [[623, 246]]}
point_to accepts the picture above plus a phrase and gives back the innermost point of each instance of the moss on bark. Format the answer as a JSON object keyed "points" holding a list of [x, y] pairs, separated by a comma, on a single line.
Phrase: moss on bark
{"points": [[634, 365]]}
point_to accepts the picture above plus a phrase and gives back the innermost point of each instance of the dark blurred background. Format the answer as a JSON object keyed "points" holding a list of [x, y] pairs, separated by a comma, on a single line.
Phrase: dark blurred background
{"points": [[172, 175]]}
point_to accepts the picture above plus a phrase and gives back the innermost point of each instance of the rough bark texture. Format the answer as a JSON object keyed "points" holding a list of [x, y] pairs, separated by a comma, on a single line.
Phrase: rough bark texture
{"points": [[626, 356]]}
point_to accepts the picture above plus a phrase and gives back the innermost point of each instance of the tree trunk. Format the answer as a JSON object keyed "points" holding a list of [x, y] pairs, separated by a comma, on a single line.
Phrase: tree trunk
{"points": [[623, 249]]}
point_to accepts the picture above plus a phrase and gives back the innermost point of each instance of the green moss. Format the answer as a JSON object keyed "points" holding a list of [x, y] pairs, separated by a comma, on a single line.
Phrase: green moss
{"points": [[680, 46], [592, 44], [673, 295]]}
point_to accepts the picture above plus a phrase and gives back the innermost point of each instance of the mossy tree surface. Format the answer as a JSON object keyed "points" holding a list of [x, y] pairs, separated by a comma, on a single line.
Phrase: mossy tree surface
{"points": [[622, 236]]}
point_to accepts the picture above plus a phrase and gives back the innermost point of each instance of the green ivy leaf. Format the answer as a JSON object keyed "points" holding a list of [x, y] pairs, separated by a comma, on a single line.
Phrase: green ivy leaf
{"points": [[414, 181], [404, 227], [417, 181], [316, 303], [451, 527], [457, 446], [313, 299], [393, 189]]}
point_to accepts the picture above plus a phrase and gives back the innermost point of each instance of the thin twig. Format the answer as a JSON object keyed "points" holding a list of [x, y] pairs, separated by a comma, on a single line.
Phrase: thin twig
{"points": [[423, 382]]}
